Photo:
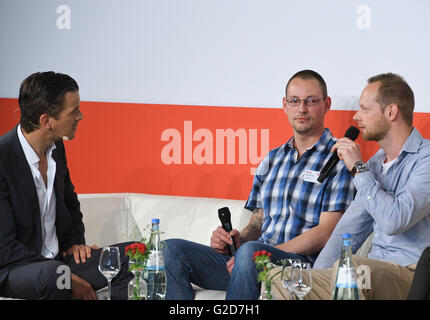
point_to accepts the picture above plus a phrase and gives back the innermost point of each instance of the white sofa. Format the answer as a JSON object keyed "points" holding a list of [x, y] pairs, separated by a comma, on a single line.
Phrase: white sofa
{"points": [[113, 218]]}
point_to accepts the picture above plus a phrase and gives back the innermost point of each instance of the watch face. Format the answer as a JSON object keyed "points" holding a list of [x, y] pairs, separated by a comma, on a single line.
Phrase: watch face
{"points": [[361, 166]]}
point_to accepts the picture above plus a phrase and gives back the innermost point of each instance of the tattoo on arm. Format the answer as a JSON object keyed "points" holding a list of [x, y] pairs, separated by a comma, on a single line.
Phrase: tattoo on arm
{"points": [[253, 230]]}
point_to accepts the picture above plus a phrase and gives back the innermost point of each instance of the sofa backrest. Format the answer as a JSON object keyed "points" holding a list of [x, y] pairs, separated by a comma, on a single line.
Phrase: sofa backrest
{"points": [[113, 218], [106, 218], [190, 218]]}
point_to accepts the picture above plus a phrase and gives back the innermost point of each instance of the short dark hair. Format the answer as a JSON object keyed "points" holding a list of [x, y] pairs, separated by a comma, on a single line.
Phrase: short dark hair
{"points": [[43, 92], [307, 75], [394, 89]]}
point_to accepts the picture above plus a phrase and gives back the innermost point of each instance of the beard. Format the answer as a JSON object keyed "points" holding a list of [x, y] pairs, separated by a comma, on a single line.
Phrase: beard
{"points": [[378, 132], [303, 128]]}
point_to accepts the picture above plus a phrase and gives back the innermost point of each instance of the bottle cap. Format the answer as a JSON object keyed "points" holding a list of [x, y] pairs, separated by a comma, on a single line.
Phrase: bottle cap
{"points": [[346, 236], [155, 220]]}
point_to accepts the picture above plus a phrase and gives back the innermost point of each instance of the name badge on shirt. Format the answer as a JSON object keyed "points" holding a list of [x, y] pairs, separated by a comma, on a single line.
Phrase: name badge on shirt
{"points": [[311, 176]]}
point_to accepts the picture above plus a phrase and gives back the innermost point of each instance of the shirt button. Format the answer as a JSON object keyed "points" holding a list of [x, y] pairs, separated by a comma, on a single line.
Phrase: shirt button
{"points": [[369, 197]]}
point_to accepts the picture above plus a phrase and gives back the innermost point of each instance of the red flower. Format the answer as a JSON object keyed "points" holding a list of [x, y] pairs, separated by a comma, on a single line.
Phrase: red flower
{"points": [[132, 249]]}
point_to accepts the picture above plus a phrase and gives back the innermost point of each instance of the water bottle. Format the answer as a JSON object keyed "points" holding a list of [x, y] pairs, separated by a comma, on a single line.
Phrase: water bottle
{"points": [[346, 279], [155, 275]]}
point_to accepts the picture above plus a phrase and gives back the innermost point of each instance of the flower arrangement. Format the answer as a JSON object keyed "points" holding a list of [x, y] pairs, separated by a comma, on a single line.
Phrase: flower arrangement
{"points": [[264, 265], [138, 254]]}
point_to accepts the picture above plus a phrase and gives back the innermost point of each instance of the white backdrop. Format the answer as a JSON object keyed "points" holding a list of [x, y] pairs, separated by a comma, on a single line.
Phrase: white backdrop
{"points": [[214, 52]]}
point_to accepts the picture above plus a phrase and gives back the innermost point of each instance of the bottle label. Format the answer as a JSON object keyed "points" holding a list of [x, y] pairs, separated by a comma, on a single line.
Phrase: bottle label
{"points": [[346, 278], [155, 262]]}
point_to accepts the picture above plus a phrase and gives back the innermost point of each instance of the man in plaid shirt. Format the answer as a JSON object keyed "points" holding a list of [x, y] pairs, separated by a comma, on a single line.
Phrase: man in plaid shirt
{"points": [[294, 214]]}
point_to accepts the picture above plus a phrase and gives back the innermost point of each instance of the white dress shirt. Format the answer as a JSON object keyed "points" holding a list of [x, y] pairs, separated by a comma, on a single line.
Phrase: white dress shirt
{"points": [[46, 195]]}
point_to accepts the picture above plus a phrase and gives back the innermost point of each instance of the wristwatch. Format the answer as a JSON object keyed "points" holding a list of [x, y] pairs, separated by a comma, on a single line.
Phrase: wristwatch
{"points": [[359, 166]]}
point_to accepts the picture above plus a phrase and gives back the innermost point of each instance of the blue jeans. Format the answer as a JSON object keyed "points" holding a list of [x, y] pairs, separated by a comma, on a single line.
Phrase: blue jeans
{"points": [[188, 262]]}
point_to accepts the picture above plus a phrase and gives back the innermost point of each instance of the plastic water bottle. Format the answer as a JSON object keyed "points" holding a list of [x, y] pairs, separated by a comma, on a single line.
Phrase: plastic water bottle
{"points": [[346, 279], [155, 275]]}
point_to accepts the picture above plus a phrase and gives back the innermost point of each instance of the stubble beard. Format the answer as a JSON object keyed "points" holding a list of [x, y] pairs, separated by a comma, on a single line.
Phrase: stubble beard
{"points": [[378, 133]]}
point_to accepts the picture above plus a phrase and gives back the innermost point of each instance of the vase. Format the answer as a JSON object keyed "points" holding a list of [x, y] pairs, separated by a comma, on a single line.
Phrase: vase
{"points": [[137, 287], [267, 292]]}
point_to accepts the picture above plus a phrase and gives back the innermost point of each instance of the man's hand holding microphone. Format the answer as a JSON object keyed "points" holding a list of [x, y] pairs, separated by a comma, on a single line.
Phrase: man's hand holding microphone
{"points": [[225, 239]]}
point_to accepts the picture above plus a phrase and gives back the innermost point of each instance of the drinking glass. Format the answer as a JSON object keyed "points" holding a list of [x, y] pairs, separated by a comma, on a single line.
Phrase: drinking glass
{"points": [[109, 265], [301, 277], [286, 275]]}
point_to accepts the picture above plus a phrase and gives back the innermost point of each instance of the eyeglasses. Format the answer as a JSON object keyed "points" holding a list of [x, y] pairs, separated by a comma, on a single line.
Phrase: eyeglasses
{"points": [[309, 101]]}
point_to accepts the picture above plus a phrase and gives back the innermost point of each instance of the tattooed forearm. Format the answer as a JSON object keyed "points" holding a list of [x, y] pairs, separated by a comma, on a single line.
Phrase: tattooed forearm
{"points": [[253, 230]]}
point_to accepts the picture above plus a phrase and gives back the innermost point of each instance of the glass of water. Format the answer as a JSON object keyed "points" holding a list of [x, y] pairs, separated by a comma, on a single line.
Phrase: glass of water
{"points": [[301, 279], [286, 275], [109, 265]]}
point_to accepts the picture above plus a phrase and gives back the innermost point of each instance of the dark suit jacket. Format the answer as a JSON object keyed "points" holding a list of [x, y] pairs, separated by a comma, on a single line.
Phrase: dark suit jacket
{"points": [[20, 224]]}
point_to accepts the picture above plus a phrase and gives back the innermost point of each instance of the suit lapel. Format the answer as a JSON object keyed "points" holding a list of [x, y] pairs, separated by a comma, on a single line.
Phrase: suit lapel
{"points": [[59, 191], [22, 172], [59, 176]]}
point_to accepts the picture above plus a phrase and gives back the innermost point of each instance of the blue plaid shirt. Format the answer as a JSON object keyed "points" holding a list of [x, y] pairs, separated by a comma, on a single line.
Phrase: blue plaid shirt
{"points": [[285, 187]]}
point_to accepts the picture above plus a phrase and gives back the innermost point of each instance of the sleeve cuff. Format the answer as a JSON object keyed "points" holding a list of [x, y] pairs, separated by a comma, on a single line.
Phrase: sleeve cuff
{"points": [[363, 182]]}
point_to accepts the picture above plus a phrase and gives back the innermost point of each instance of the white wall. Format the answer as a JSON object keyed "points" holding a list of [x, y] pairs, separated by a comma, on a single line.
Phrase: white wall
{"points": [[214, 52]]}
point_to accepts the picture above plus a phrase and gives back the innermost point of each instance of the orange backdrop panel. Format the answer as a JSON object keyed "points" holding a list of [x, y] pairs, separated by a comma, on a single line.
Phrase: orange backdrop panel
{"points": [[118, 146]]}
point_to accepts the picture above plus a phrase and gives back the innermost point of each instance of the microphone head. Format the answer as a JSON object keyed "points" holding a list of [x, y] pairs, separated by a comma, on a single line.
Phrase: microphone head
{"points": [[65, 138], [224, 214], [352, 133]]}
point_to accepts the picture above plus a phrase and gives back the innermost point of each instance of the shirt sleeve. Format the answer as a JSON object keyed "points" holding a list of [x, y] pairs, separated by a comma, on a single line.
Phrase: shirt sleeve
{"points": [[396, 212], [254, 200], [339, 191], [355, 221]]}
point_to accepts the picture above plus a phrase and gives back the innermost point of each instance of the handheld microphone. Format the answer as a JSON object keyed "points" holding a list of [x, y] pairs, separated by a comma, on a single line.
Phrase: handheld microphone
{"points": [[65, 138], [225, 218], [351, 133]]}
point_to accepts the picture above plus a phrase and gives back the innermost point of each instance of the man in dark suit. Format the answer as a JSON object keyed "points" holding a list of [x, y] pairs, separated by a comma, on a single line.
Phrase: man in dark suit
{"points": [[41, 226]]}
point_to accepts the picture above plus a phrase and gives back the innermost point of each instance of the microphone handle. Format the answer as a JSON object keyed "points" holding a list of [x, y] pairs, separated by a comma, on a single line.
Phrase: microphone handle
{"points": [[352, 133], [231, 247], [331, 163]]}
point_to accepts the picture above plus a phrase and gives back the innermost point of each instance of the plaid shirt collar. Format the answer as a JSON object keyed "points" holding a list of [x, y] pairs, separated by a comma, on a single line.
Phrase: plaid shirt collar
{"points": [[320, 145]]}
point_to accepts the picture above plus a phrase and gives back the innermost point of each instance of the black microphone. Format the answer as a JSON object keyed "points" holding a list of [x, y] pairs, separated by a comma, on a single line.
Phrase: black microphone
{"points": [[225, 218], [46, 130], [351, 133]]}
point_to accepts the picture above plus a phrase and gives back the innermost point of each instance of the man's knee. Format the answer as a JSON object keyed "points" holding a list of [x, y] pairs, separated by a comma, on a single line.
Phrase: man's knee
{"points": [[426, 255], [245, 253], [174, 246], [54, 281], [249, 247]]}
